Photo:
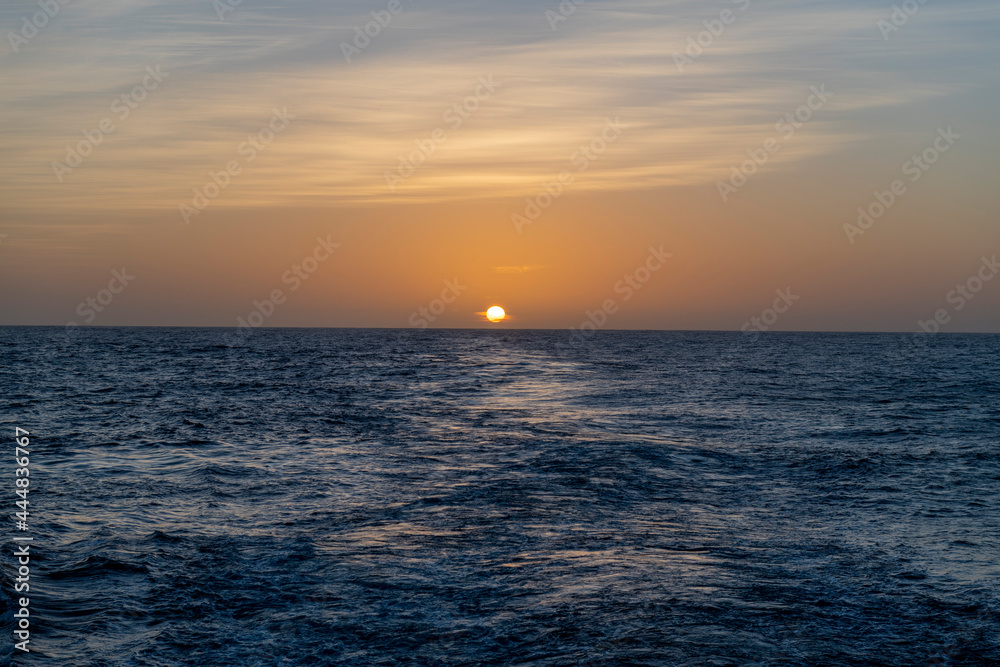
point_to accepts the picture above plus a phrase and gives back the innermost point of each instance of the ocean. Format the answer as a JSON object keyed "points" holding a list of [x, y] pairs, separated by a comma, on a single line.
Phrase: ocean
{"points": [[455, 497]]}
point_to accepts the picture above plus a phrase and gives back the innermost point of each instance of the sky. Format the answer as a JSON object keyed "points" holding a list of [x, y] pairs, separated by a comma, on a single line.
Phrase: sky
{"points": [[620, 164]]}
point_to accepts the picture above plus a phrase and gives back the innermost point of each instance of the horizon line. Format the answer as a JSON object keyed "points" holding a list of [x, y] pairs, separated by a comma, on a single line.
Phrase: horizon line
{"points": [[780, 331]]}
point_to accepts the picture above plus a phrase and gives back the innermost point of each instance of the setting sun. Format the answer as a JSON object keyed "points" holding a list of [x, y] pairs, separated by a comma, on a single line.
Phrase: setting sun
{"points": [[495, 314]]}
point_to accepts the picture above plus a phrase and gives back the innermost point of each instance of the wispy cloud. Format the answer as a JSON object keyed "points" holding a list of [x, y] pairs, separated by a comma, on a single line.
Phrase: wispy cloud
{"points": [[355, 120], [518, 269]]}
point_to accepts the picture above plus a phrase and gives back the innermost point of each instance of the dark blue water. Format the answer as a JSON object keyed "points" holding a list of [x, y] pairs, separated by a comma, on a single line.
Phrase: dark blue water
{"points": [[381, 497]]}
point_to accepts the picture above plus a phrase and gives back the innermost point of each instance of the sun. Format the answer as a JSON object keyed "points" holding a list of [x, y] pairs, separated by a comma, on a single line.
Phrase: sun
{"points": [[495, 314]]}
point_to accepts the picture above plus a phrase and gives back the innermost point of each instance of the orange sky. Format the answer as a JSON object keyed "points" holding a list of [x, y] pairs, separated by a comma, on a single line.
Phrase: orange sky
{"points": [[639, 151]]}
